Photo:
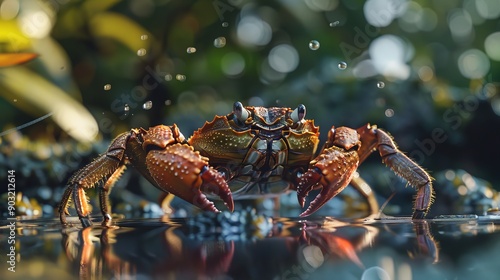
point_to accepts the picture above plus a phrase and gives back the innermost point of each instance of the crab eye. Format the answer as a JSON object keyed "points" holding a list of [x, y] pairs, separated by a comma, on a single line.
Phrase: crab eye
{"points": [[299, 113], [240, 112]]}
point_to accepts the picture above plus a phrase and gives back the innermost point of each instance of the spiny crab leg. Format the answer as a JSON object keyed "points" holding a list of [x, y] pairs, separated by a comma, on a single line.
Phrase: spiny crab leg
{"points": [[373, 138], [107, 167]]}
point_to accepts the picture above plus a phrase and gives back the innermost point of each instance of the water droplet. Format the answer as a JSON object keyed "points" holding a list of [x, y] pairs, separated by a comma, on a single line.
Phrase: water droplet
{"points": [[380, 84], [342, 65], [335, 23], [191, 50], [141, 52], [126, 108], [389, 113], [180, 77], [147, 105], [168, 77], [144, 37], [168, 102], [220, 42], [107, 86], [314, 45], [225, 24]]}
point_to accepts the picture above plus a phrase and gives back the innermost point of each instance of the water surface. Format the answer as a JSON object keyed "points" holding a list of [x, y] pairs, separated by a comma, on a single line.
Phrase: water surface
{"points": [[250, 246]]}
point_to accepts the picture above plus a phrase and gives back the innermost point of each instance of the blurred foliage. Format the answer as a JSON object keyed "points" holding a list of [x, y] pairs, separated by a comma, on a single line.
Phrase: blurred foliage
{"points": [[140, 63]]}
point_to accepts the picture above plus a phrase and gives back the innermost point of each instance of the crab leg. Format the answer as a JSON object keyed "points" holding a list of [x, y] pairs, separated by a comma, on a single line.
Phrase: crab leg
{"points": [[102, 168], [364, 189], [373, 138], [104, 193]]}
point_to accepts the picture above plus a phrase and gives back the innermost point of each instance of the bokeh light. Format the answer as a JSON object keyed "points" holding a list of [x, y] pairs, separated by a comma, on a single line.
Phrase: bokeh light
{"points": [[425, 73], [268, 75], [473, 64], [233, 64], [375, 273], [35, 23], [381, 13], [9, 9], [488, 9], [460, 24], [364, 69], [495, 105], [313, 256], [416, 18], [492, 46], [253, 31], [283, 58], [322, 5], [389, 54]]}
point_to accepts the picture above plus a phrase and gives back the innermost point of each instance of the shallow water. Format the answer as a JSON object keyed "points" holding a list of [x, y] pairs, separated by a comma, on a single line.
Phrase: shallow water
{"points": [[238, 247]]}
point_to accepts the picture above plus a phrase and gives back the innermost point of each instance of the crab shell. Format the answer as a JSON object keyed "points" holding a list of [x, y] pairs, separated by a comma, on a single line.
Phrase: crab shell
{"points": [[260, 151]]}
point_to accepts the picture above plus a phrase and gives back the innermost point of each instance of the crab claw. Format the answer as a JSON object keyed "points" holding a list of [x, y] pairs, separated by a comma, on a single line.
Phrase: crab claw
{"points": [[332, 170], [180, 170], [215, 184]]}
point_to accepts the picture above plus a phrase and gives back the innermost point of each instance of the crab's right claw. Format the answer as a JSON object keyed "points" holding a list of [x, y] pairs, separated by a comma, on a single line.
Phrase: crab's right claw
{"points": [[180, 170], [215, 184]]}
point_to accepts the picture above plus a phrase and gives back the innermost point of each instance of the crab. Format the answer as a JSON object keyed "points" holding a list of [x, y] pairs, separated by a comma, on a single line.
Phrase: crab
{"points": [[250, 153]]}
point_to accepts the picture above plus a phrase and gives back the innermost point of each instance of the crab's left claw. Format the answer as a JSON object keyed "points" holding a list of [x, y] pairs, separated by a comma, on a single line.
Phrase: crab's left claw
{"points": [[332, 170], [180, 170]]}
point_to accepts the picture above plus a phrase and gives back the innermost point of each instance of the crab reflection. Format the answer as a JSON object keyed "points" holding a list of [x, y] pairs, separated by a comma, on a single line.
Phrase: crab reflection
{"points": [[173, 248], [125, 253]]}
